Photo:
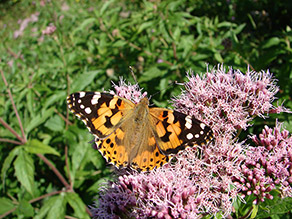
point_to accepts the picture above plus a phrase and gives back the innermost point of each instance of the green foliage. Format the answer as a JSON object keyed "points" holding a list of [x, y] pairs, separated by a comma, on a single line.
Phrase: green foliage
{"points": [[51, 170]]}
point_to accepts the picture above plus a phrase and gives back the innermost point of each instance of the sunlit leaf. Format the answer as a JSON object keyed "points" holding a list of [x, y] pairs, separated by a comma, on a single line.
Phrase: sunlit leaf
{"points": [[24, 170]]}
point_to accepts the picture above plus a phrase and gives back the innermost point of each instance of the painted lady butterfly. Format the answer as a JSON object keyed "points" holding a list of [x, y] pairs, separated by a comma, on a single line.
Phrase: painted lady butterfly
{"points": [[136, 135]]}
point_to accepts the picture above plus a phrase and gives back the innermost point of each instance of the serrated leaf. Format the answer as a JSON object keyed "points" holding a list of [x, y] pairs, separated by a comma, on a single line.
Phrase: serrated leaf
{"points": [[119, 43], [57, 96], [58, 209], [275, 206], [145, 26], [50, 205], [7, 163], [5, 205], [150, 74], [24, 170], [25, 208], [84, 80], [104, 7], [39, 119], [77, 204], [55, 123], [83, 25], [36, 147], [30, 102], [78, 156]]}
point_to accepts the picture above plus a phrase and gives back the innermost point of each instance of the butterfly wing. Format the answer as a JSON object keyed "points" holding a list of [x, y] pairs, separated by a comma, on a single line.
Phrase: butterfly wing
{"points": [[116, 149], [127, 138], [174, 131], [102, 113]]}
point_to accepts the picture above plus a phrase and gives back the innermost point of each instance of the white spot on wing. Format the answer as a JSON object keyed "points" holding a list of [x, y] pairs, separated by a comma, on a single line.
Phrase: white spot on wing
{"points": [[197, 135], [202, 125], [190, 136], [95, 98], [79, 101], [201, 132], [82, 106], [188, 122], [88, 110], [81, 94]]}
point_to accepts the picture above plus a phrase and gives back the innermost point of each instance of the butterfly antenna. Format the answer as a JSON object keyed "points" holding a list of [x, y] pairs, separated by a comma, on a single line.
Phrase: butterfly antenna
{"points": [[133, 74]]}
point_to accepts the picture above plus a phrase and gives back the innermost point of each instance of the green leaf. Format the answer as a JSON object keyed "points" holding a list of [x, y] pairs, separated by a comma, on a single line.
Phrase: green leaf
{"points": [[271, 42], [218, 57], [7, 163], [5, 205], [55, 123], [78, 156], [57, 96], [254, 212], [77, 204], [145, 26], [30, 102], [36, 147], [24, 170], [25, 208], [150, 74], [53, 206], [84, 24], [84, 80], [119, 43], [275, 206], [105, 6], [39, 119], [58, 209]]}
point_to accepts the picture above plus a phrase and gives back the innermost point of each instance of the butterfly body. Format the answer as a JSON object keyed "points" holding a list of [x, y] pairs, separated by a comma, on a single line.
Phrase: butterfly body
{"points": [[136, 135]]}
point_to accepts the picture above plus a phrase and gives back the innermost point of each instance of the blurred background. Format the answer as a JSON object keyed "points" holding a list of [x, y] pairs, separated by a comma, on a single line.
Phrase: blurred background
{"points": [[49, 49]]}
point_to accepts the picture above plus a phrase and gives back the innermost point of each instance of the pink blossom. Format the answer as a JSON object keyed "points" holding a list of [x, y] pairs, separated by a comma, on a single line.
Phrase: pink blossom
{"points": [[207, 179], [228, 101], [24, 23], [268, 165], [128, 91], [49, 29]]}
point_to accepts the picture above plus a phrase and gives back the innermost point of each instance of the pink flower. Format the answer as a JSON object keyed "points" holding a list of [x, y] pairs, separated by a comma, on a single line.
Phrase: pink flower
{"points": [[24, 23], [49, 29], [128, 91], [268, 165], [207, 179], [228, 101]]}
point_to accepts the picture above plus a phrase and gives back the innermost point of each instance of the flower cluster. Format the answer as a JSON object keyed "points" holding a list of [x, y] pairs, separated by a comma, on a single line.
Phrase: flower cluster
{"points": [[128, 91], [268, 165], [114, 202], [207, 179], [24, 23], [49, 29], [188, 188], [228, 100]]}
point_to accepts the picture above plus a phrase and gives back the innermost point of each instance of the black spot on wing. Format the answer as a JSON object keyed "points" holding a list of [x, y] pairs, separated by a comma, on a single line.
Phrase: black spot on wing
{"points": [[197, 134]]}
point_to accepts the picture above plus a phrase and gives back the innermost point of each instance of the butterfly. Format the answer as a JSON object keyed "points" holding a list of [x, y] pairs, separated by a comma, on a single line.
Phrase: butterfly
{"points": [[136, 135]]}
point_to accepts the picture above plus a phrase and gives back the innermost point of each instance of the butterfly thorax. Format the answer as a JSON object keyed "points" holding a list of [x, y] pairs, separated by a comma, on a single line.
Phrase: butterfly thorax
{"points": [[141, 110]]}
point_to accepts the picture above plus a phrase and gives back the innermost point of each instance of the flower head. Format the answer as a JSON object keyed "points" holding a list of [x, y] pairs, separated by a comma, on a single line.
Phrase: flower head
{"points": [[228, 101], [128, 91], [268, 165], [49, 29], [207, 179]]}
